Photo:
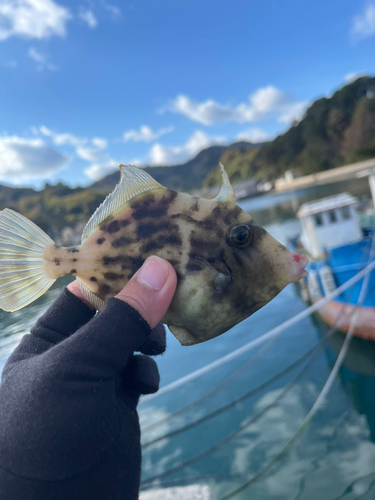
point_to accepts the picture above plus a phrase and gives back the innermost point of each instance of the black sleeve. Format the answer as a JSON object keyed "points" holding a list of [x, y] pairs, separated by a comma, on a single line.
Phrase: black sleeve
{"points": [[59, 386]]}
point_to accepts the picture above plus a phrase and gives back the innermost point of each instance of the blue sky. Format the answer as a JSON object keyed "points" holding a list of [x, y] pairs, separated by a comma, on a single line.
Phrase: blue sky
{"points": [[87, 85]]}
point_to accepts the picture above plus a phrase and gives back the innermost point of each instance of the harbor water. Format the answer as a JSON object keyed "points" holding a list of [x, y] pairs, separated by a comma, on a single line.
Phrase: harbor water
{"points": [[242, 451]]}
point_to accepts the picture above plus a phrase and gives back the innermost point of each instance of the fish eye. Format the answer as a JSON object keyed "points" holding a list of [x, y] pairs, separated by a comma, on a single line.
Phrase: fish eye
{"points": [[239, 236]]}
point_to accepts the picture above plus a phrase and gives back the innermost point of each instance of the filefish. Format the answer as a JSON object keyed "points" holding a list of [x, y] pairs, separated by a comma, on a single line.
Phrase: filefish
{"points": [[227, 266]]}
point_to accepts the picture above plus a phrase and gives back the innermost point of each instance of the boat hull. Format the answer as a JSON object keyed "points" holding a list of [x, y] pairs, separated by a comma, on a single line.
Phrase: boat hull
{"points": [[340, 314]]}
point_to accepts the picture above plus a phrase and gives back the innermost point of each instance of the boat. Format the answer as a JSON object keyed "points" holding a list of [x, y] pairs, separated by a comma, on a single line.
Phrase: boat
{"points": [[338, 248]]}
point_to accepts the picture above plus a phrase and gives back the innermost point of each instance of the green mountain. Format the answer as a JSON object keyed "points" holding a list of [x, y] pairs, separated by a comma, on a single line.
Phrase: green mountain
{"points": [[334, 131], [187, 176], [56, 207], [238, 165]]}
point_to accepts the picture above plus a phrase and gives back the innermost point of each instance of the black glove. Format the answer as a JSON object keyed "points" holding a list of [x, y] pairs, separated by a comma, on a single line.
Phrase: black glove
{"points": [[70, 389]]}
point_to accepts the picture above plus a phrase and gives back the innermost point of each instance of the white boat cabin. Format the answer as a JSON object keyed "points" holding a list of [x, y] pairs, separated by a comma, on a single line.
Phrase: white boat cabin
{"points": [[328, 223]]}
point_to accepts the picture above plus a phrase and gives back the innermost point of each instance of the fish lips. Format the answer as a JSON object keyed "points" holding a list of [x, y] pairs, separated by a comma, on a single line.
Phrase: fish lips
{"points": [[297, 269]]}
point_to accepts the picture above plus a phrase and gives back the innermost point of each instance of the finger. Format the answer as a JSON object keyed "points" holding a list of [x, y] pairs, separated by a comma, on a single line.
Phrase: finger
{"points": [[73, 288], [141, 375], [156, 342], [101, 347], [150, 290]]}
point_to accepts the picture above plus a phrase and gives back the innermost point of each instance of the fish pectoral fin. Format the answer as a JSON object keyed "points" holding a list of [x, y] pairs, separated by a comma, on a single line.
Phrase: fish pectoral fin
{"points": [[212, 276], [94, 299], [133, 181], [183, 336]]}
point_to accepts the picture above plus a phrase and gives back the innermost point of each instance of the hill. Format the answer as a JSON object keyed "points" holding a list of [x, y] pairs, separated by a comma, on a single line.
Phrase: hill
{"points": [[187, 176], [335, 131], [56, 207]]}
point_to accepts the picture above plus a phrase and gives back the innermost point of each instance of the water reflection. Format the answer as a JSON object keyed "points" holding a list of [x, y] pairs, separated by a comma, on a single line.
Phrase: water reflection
{"points": [[357, 374], [15, 325], [335, 458]]}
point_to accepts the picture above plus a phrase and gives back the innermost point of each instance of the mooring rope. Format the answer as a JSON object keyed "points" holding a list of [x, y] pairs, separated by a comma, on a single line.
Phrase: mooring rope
{"points": [[260, 340], [320, 399]]}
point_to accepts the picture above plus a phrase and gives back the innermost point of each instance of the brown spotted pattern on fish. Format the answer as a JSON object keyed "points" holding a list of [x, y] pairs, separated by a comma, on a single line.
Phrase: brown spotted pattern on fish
{"points": [[227, 266]]}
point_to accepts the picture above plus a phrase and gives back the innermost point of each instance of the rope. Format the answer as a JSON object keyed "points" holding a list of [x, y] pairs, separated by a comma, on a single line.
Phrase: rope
{"points": [[260, 340], [233, 376], [320, 399], [228, 438], [312, 412], [237, 400], [261, 387], [218, 388]]}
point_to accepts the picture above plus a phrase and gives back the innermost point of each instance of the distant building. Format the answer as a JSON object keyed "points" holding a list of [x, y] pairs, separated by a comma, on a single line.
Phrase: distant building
{"points": [[288, 177]]}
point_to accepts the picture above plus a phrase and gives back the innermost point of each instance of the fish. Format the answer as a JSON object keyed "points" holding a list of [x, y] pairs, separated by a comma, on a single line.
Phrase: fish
{"points": [[227, 266]]}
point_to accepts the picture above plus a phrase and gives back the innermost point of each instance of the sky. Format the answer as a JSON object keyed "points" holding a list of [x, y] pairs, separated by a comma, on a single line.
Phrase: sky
{"points": [[88, 84]]}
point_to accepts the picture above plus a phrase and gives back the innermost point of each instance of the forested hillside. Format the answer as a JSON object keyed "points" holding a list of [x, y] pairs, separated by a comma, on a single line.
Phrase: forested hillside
{"points": [[189, 175], [335, 131]]}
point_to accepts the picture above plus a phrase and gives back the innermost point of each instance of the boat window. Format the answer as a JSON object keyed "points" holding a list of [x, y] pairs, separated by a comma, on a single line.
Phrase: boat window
{"points": [[345, 212], [318, 219], [332, 216]]}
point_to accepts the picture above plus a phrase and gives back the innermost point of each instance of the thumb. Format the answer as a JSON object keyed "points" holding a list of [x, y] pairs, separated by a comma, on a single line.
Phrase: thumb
{"points": [[151, 289]]}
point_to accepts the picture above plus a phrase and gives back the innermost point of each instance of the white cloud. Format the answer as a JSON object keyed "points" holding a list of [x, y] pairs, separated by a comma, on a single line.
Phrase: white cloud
{"points": [[89, 17], [350, 77], [24, 159], [63, 139], [170, 155], [292, 112], [262, 102], [206, 113], [96, 171], [32, 19], [88, 154], [99, 142], [363, 25], [113, 10], [91, 154], [69, 139], [41, 60], [145, 134], [37, 56], [253, 135]]}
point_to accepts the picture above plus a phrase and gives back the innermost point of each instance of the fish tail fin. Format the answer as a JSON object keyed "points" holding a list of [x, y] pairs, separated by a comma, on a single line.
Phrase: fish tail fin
{"points": [[22, 267]]}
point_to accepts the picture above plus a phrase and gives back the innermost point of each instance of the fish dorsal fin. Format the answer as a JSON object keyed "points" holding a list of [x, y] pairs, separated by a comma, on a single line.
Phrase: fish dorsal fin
{"points": [[226, 191], [133, 181]]}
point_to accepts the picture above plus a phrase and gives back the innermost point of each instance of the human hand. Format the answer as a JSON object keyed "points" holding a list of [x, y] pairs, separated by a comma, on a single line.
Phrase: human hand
{"points": [[71, 387], [149, 292]]}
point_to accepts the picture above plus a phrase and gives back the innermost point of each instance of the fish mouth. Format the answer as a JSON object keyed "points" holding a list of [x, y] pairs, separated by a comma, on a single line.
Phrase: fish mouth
{"points": [[297, 268]]}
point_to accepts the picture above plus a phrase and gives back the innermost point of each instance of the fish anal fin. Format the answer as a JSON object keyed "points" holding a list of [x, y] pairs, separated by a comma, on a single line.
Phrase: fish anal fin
{"points": [[183, 336], [133, 182], [94, 299]]}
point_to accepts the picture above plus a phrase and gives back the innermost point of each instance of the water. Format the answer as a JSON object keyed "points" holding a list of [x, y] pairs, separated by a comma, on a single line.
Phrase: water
{"points": [[334, 459]]}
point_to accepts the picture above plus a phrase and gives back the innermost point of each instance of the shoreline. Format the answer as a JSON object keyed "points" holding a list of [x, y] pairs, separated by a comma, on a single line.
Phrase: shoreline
{"points": [[326, 177]]}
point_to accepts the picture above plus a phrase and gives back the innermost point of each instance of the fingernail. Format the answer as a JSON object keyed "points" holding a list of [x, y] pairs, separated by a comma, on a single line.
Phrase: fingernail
{"points": [[153, 273]]}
